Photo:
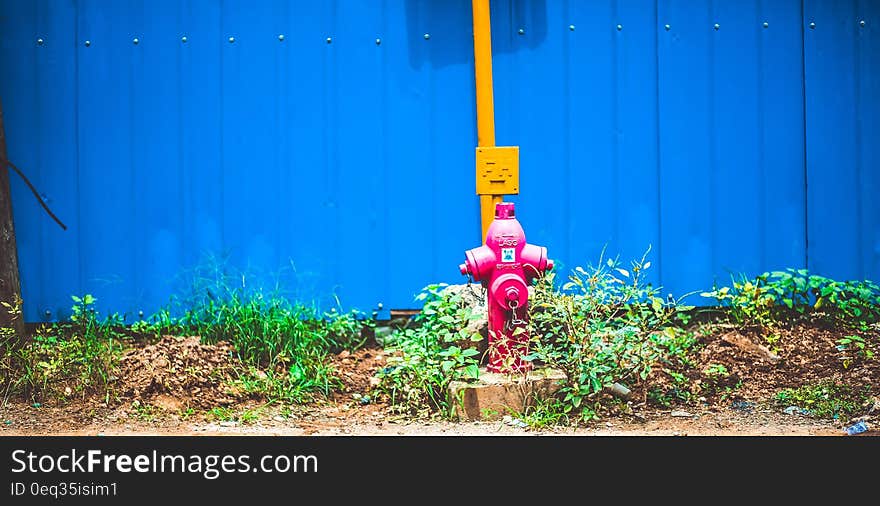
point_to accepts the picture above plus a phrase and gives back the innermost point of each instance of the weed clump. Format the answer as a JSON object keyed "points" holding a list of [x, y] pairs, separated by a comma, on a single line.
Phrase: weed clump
{"points": [[784, 296], [607, 325], [426, 358], [76, 358], [825, 399]]}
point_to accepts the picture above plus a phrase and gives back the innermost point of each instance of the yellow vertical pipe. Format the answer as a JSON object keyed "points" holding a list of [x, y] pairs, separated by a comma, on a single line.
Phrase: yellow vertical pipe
{"points": [[485, 98], [487, 211]]}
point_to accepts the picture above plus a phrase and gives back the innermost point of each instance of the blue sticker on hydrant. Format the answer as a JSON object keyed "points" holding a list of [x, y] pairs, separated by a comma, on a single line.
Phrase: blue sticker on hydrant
{"points": [[507, 254]]}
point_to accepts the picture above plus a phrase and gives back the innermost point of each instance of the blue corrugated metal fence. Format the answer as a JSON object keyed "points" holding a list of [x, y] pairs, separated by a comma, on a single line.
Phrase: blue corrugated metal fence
{"points": [[329, 145]]}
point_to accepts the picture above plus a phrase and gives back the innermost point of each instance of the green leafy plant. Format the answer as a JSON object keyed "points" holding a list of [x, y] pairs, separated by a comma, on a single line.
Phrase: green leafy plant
{"points": [[186, 414], [775, 296], [716, 371], [716, 379], [426, 358], [607, 325], [678, 391], [675, 346], [858, 346], [144, 411]]}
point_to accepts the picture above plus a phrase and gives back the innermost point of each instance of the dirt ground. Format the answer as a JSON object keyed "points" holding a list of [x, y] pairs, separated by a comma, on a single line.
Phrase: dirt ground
{"points": [[167, 387]]}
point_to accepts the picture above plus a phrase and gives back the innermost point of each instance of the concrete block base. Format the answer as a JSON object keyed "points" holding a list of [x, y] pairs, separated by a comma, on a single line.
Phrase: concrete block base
{"points": [[495, 395]]}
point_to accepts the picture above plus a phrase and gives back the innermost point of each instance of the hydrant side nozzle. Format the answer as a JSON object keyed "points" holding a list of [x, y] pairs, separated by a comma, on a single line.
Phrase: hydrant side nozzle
{"points": [[463, 268], [479, 262], [549, 264]]}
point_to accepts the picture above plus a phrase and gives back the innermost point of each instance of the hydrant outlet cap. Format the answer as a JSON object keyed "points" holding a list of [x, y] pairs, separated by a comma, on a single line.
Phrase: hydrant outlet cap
{"points": [[549, 264], [463, 268]]}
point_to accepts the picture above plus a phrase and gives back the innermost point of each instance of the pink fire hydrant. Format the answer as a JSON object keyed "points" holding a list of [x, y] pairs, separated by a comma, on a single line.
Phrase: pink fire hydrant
{"points": [[506, 265]]}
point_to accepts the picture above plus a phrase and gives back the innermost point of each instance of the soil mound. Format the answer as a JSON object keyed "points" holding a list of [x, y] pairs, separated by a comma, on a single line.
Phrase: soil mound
{"points": [[179, 372]]}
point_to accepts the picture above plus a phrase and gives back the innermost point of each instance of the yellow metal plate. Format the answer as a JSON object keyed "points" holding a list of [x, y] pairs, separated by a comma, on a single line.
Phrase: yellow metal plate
{"points": [[498, 170]]}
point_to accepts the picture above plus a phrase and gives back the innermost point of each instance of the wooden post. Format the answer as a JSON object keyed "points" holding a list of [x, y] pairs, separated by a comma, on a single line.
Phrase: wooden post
{"points": [[10, 286]]}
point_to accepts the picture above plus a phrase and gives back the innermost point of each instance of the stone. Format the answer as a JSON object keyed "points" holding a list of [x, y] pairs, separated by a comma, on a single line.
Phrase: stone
{"points": [[495, 395], [681, 414], [746, 345]]}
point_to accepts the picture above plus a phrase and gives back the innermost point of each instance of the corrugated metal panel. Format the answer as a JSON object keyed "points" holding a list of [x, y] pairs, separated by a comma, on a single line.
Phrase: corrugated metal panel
{"points": [[346, 167], [731, 140], [843, 139]]}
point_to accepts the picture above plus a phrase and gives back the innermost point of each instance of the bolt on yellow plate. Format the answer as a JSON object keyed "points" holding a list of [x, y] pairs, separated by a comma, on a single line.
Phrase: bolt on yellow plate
{"points": [[498, 170]]}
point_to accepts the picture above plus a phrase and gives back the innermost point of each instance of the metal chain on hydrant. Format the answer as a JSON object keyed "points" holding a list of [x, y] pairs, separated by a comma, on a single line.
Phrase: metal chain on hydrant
{"points": [[514, 321], [481, 297]]}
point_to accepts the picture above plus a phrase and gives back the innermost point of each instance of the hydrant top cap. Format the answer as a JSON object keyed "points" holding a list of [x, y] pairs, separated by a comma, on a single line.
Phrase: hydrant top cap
{"points": [[504, 211]]}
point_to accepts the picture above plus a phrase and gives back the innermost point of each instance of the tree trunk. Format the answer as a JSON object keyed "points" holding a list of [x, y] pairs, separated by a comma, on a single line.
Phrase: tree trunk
{"points": [[10, 286]]}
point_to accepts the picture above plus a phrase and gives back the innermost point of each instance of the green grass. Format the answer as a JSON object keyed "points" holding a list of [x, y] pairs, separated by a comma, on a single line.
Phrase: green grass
{"points": [[546, 413], [283, 346], [825, 399], [65, 360], [225, 414]]}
